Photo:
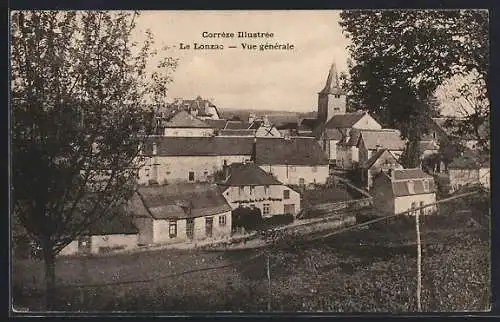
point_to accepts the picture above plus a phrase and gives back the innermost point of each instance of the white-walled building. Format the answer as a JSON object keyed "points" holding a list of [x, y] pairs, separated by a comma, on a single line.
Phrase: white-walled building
{"points": [[107, 234], [184, 124], [180, 213], [246, 184], [295, 161], [468, 169], [382, 160], [402, 190]]}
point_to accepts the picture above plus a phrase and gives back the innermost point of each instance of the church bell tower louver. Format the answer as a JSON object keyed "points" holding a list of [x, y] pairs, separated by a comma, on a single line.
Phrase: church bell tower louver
{"points": [[332, 99]]}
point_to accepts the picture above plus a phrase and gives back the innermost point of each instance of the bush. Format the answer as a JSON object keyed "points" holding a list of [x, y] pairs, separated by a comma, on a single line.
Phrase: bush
{"points": [[277, 220], [246, 217]]}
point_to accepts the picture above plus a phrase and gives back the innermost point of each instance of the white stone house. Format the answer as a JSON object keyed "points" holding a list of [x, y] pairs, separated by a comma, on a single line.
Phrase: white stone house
{"points": [[468, 169], [107, 234], [180, 213], [402, 190], [184, 124], [248, 185], [371, 141], [191, 159], [293, 161]]}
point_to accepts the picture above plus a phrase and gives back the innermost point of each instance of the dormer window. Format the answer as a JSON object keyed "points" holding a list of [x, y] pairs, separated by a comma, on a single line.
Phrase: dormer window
{"points": [[411, 187], [426, 185], [155, 149]]}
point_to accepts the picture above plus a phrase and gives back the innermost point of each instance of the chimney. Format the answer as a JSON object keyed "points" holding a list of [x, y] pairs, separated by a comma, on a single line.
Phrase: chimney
{"points": [[254, 150]]}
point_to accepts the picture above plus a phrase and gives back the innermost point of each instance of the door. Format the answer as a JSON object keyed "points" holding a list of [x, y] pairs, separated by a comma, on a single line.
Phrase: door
{"points": [[190, 228], [209, 225], [85, 245], [290, 209]]}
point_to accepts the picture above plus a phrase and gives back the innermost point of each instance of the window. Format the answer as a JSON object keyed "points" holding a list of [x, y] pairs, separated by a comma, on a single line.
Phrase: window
{"points": [[222, 220], [411, 187], [337, 96], [426, 185], [209, 223], [155, 149], [413, 206], [301, 181], [289, 209], [241, 191], [190, 228], [286, 194], [266, 190], [252, 190], [191, 176], [433, 135], [172, 229], [421, 207], [314, 169], [266, 209]]}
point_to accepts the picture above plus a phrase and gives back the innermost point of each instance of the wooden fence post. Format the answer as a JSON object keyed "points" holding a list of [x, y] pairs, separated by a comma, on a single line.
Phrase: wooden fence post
{"points": [[268, 284], [419, 262]]}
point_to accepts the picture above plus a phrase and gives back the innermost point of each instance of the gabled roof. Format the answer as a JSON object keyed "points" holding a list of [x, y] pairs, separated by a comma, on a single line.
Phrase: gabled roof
{"points": [[216, 124], [291, 151], [200, 146], [406, 182], [186, 120], [377, 155], [236, 125], [410, 174], [199, 104], [386, 138], [184, 200], [248, 174], [346, 120]]}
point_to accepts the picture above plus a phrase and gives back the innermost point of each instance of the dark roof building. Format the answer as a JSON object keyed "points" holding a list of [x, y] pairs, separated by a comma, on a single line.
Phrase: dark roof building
{"points": [[178, 201], [291, 151], [184, 119], [248, 174], [200, 146]]}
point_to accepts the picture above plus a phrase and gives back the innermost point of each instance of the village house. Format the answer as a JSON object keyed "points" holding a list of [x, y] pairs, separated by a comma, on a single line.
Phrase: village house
{"points": [[470, 168], [381, 160], [201, 108], [371, 141], [184, 124], [107, 234], [180, 213], [246, 184], [191, 159], [293, 160], [401, 190]]}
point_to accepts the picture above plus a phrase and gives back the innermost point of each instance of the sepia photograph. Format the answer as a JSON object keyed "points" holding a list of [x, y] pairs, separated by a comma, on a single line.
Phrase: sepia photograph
{"points": [[249, 161]]}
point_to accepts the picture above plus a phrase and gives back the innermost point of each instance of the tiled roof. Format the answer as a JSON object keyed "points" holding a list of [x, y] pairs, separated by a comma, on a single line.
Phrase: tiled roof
{"points": [[400, 188], [332, 85], [216, 124], [236, 125], [385, 138], [371, 161], [185, 119], [327, 133], [200, 146], [237, 132], [185, 200], [249, 174], [409, 174], [292, 151], [346, 120], [308, 124]]}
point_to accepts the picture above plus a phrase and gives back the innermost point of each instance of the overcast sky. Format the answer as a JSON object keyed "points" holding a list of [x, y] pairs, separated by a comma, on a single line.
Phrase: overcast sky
{"points": [[235, 78]]}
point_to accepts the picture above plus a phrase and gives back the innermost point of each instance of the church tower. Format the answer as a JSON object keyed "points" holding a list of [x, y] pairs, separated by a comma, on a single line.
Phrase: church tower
{"points": [[332, 99]]}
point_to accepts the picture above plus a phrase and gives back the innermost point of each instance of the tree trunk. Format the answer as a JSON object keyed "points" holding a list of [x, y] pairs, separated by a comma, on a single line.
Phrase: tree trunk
{"points": [[50, 278]]}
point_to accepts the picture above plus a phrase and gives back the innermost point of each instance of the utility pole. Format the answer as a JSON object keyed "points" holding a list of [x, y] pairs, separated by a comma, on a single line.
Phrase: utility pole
{"points": [[269, 284], [419, 261]]}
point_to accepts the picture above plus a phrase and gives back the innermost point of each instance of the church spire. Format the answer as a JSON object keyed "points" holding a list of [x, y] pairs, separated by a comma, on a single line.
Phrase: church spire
{"points": [[332, 85]]}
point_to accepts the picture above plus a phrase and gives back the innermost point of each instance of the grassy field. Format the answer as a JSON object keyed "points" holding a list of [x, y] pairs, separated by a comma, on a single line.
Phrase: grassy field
{"points": [[367, 270]]}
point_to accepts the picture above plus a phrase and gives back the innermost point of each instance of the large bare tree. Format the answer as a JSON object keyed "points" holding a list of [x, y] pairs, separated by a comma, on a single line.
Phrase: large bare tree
{"points": [[79, 85]]}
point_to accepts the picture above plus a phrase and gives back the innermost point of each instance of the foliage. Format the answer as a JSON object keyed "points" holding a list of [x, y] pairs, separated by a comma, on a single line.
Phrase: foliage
{"points": [[78, 85], [249, 218], [400, 57], [278, 220]]}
